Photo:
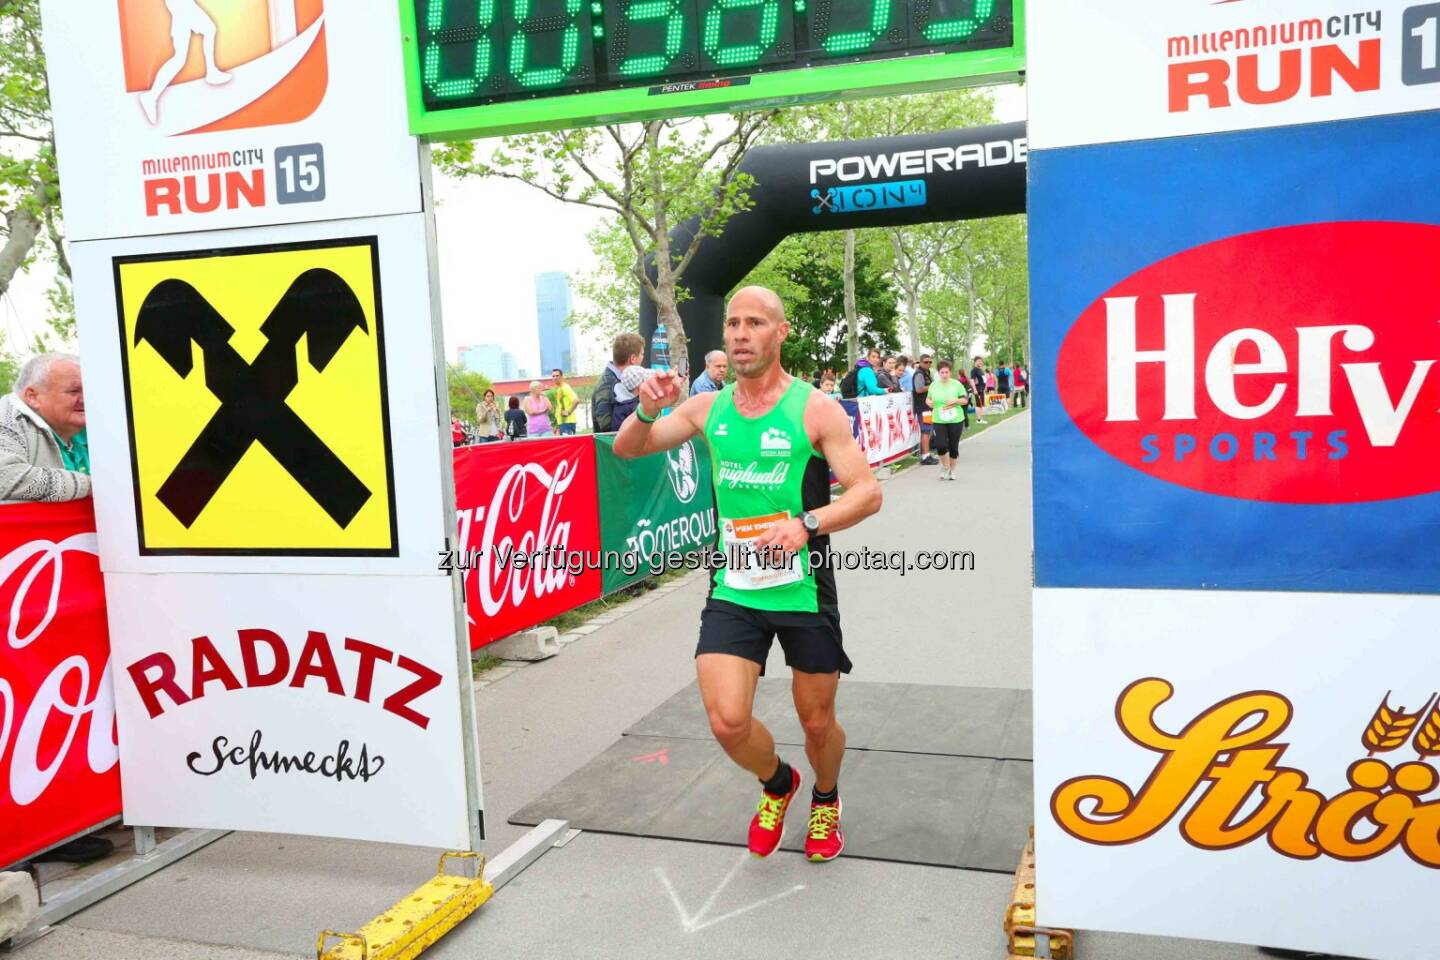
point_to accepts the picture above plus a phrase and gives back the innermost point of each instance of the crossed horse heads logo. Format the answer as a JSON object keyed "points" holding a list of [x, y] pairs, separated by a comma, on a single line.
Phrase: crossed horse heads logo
{"points": [[318, 306]]}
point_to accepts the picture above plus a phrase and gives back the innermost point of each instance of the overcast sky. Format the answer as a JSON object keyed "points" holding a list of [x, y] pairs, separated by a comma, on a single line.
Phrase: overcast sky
{"points": [[487, 279]]}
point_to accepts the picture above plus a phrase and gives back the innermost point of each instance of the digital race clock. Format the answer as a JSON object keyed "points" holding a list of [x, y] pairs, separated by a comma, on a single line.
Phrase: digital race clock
{"points": [[478, 67]]}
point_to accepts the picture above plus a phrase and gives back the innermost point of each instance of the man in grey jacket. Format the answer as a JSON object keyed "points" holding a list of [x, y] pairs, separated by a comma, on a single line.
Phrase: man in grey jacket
{"points": [[43, 449]]}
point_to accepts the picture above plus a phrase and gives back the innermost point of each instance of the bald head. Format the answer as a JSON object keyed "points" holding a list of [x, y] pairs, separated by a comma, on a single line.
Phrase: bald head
{"points": [[762, 298], [755, 328]]}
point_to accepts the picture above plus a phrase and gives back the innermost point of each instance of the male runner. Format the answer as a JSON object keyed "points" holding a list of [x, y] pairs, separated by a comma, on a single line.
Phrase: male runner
{"points": [[773, 441]]}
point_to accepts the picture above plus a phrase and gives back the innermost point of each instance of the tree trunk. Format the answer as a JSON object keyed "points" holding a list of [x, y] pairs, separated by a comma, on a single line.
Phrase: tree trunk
{"points": [[852, 322], [913, 318], [667, 312], [24, 230]]}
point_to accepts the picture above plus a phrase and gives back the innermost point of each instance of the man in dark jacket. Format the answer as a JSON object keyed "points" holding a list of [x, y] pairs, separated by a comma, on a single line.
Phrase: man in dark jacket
{"points": [[628, 349]]}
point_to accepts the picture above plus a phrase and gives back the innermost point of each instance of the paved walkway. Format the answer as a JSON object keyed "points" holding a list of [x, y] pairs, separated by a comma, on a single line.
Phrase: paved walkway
{"points": [[600, 896]]}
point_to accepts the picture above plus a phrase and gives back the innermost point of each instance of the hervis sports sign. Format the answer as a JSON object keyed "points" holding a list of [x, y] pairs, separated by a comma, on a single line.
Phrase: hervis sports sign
{"points": [[1294, 365], [1237, 356]]}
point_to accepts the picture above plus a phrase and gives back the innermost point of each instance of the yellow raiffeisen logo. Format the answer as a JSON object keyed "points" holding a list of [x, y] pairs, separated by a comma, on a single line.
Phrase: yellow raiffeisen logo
{"points": [[255, 391], [1227, 761]]}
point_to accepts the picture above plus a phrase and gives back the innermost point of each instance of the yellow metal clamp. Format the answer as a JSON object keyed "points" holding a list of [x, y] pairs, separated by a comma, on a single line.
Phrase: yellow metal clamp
{"points": [[327, 935], [409, 927]]}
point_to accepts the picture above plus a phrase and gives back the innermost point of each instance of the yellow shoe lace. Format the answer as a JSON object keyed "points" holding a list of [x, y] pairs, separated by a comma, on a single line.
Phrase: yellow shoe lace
{"points": [[770, 808], [823, 820]]}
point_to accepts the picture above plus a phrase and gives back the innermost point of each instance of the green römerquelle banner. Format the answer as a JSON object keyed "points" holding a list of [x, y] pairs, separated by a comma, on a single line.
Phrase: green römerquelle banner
{"points": [[652, 509]]}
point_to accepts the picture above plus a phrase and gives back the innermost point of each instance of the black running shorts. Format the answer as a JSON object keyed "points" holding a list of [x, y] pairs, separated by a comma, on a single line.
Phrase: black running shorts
{"points": [[947, 439], [811, 641]]}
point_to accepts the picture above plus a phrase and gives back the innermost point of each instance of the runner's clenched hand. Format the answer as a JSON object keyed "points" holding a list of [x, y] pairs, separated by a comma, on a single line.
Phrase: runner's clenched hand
{"points": [[660, 391]]}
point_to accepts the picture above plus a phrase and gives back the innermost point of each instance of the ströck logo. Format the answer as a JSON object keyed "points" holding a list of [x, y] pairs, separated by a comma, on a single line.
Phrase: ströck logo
{"points": [[1295, 365]]}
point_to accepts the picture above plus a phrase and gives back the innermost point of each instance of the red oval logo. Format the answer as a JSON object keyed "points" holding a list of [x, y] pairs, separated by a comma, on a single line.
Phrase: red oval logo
{"points": [[1296, 365]]}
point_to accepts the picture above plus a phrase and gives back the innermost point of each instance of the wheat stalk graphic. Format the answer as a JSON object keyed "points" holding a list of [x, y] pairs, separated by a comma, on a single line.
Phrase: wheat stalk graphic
{"points": [[1427, 738], [1391, 727]]}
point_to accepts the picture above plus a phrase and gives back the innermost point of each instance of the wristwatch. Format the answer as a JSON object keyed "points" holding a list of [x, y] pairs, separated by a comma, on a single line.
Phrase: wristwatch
{"points": [[812, 523]]}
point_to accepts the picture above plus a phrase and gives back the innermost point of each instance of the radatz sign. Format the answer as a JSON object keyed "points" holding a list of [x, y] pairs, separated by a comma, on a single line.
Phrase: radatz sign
{"points": [[529, 532], [58, 759]]}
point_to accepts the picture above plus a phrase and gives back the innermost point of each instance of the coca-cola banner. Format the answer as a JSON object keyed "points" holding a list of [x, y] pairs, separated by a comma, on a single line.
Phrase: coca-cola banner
{"points": [[529, 536], [885, 427], [317, 705], [654, 510], [58, 759]]}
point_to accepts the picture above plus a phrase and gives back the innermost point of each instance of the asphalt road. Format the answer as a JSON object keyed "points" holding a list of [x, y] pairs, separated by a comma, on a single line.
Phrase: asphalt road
{"points": [[252, 896]]}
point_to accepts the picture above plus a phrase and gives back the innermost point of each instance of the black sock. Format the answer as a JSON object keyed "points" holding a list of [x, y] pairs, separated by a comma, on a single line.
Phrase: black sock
{"points": [[781, 783], [829, 796]]}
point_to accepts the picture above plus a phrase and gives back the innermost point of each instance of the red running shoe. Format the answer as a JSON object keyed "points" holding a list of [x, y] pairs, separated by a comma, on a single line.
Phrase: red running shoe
{"points": [[767, 827], [825, 840]]}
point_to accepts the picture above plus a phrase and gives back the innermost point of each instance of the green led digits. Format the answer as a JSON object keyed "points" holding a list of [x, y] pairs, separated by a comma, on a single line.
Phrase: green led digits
{"points": [[740, 54], [857, 40], [649, 64], [440, 35], [530, 76], [958, 28]]}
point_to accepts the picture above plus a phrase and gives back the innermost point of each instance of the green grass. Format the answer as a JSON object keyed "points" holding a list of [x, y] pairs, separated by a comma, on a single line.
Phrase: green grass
{"points": [[482, 663]]}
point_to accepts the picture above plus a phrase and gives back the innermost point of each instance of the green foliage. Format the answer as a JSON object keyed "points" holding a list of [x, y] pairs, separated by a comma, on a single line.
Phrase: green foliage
{"points": [[466, 389], [807, 271], [651, 177], [30, 216]]}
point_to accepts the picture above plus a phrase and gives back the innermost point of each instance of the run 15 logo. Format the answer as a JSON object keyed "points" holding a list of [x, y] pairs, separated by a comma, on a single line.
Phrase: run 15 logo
{"points": [[1295, 365]]}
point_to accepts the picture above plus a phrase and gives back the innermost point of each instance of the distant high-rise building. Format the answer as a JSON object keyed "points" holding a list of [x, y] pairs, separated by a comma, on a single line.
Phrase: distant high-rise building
{"points": [[552, 307], [491, 359]]}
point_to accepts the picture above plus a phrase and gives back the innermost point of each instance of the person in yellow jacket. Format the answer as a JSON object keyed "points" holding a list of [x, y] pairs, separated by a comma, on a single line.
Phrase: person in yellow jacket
{"points": [[564, 400]]}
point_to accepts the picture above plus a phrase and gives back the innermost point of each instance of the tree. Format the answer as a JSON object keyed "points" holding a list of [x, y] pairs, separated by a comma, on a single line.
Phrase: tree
{"points": [[29, 183], [651, 176], [916, 249], [466, 389], [807, 271], [982, 287]]}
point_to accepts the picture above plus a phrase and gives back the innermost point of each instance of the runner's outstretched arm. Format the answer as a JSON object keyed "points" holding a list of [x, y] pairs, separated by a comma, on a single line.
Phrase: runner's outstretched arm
{"points": [[638, 438]]}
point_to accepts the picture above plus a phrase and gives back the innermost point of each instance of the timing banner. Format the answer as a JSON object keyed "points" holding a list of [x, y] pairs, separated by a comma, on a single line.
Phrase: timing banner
{"points": [[58, 760], [653, 510], [482, 69], [529, 532], [178, 115]]}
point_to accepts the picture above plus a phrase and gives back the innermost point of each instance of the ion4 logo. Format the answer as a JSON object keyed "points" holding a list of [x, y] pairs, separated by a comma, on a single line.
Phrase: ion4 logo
{"points": [[198, 66], [1295, 365]]}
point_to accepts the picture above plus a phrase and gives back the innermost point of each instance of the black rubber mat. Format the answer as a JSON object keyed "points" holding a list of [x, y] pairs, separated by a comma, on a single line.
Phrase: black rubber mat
{"points": [[932, 775], [896, 717]]}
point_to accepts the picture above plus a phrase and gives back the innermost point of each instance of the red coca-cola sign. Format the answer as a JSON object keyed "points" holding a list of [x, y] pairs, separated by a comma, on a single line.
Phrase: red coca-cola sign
{"points": [[59, 772], [1296, 365], [529, 532]]}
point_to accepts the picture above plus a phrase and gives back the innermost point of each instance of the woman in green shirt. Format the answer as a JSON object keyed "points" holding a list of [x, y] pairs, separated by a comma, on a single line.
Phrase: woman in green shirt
{"points": [[947, 399]]}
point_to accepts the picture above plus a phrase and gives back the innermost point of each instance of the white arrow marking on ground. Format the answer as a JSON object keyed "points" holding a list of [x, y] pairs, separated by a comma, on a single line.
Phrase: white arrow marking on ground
{"points": [[698, 922]]}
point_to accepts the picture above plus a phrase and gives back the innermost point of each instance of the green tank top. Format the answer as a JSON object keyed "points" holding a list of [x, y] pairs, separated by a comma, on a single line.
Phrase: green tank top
{"points": [[765, 471]]}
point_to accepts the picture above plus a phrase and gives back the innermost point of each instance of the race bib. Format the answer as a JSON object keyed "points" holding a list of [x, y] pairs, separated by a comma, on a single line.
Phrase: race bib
{"points": [[747, 568]]}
